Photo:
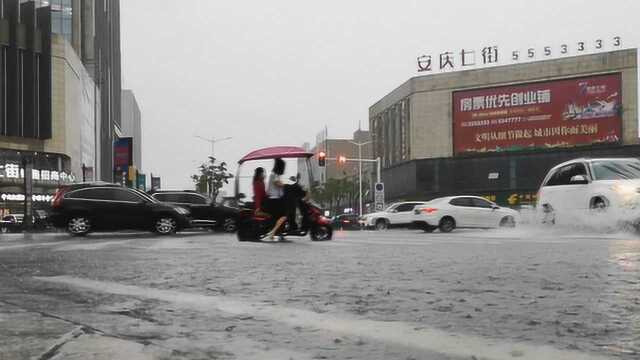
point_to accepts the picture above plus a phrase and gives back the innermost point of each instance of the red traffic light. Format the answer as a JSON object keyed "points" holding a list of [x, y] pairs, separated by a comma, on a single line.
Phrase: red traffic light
{"points": [[322, 157]]}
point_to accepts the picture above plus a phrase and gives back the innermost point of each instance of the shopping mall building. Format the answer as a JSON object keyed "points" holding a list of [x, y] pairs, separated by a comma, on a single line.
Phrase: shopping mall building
{"points": [[496, 131], [59, 100]]}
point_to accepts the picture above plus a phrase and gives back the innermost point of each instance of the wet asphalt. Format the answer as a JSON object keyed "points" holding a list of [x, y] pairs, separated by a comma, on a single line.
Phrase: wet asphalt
{"points": [[400, 294]]}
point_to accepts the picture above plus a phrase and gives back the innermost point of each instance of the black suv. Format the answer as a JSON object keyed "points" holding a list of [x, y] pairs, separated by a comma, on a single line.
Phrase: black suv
{"points": [[205, 213], [81, 208]]}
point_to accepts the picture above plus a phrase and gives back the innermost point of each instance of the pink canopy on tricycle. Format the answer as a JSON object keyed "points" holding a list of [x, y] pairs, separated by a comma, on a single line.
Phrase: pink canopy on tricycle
{"points": [[276, 152]]}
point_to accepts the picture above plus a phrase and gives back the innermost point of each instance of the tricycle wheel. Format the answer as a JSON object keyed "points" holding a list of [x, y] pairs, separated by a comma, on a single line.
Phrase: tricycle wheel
{"points": [[247, 231], [321, 233]]}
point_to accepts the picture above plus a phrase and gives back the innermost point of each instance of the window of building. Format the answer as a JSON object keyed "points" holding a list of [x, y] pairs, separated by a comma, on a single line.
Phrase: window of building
{"points": [[62, 18]]}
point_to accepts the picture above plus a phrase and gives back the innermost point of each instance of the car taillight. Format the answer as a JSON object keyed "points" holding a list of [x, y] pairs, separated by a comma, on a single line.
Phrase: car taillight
{"points": [[57, 197], [428, 210]]}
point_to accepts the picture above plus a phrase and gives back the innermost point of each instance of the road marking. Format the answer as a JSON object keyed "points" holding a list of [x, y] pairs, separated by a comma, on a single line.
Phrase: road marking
{"points": [[405, 334]]}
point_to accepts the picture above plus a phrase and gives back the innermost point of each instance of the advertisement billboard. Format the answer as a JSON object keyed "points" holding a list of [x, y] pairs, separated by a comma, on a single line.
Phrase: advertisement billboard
{"points": [[122, 154], [543, 115]]}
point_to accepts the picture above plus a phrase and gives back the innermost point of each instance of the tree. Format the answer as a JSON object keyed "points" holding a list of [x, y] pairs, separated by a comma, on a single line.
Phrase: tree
{"points": [[212, 177], [337, 193]]}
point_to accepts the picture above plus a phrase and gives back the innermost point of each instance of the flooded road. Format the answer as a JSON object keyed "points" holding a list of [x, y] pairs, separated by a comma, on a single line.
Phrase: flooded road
{"points": [[522, 294]]}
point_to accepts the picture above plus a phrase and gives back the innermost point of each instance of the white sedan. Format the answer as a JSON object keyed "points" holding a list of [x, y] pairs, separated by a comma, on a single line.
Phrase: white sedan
{"points": [[453, 212], [396, 215]]}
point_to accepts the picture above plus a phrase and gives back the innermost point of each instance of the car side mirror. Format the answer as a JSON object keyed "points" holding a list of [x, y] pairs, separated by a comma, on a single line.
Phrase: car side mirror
{"points": [[579, 179]]}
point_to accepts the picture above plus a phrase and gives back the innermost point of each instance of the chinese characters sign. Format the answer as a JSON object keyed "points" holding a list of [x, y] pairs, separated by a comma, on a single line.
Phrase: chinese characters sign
{"points": [[451, 61], [15, 171], [466, 59], [551, 114]]}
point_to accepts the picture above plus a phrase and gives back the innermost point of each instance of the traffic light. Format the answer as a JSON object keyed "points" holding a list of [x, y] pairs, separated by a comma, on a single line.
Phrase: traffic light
{"points": [[342, 159], [322, 158]]}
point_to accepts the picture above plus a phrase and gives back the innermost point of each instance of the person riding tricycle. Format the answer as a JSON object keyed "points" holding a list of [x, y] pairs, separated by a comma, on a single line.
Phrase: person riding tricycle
{"points": [[273, 211]]}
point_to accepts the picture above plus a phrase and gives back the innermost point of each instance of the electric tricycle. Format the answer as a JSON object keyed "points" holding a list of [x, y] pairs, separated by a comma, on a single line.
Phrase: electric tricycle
{"points": [[255, 225]]}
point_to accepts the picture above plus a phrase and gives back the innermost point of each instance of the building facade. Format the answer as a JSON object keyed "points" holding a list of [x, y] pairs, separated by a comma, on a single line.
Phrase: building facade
{"points": [[496, 131], [104, 62], [50, 105]]}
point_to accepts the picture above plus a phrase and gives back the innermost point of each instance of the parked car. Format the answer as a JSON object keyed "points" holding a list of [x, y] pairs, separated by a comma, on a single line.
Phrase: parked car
{"points": [[11, 223], [82, 208], [396, 215], [205, 213], [449, 213], [575, 189], [14, 222], [346, 222]]}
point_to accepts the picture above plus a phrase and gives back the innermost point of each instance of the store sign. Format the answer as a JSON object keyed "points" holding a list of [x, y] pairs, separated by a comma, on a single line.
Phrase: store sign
{"points": [[559, 113], [467, 59], [15, 171], [20, 197]]}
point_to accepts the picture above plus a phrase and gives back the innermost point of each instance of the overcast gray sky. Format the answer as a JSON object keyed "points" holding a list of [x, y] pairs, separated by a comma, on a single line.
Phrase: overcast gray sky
{"points": [[276, 72]]}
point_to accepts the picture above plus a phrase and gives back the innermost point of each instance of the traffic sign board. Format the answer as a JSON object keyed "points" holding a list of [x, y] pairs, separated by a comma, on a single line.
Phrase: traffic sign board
{"points": [[379, 196]]}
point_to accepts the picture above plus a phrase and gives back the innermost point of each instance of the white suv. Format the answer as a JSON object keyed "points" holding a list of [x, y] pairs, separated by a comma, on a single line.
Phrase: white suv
{"points": [[398, 214], [581, 190]]}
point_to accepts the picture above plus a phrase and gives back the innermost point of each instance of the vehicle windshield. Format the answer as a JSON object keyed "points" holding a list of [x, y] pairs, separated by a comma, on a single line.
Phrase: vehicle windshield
{"points": [[390, 207], [616, 169]]}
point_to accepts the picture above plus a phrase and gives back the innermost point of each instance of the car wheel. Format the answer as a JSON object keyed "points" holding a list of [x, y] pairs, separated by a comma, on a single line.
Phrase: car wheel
{"points": [[79, 225], [598, 204], [548, 215], [381, 224], [447, 224], [165, 225], [508, 221], [230, 225]]}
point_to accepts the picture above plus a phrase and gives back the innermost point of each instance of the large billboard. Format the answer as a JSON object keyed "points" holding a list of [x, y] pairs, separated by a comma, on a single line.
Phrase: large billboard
{"points": [[543, 115]]}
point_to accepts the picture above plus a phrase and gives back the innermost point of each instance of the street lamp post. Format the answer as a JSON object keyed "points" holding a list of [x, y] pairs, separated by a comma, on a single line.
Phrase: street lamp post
{"points": [[360, 145], [213, 141]]}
